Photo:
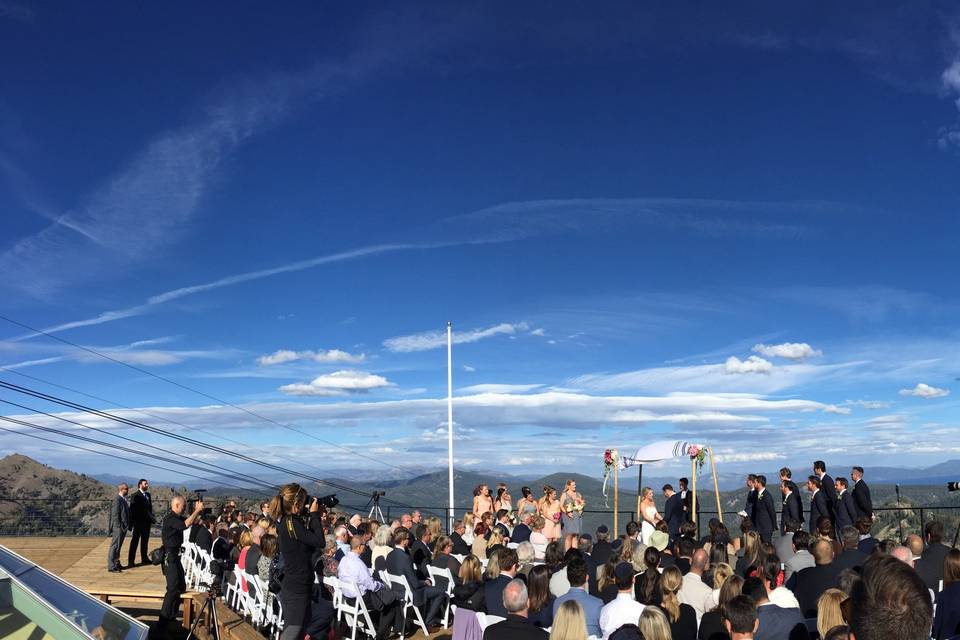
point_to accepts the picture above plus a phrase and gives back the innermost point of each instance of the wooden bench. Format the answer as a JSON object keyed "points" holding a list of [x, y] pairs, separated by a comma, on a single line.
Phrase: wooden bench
{"points": [[145, 595]]}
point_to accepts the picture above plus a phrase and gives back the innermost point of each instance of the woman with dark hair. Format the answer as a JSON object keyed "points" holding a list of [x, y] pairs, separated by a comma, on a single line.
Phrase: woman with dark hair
{"points": [[527, 505], [607, 582], [646, 586], [553, 557], [946, 622], [482, 502], [540, 612], [479, 546], [503, 500]]}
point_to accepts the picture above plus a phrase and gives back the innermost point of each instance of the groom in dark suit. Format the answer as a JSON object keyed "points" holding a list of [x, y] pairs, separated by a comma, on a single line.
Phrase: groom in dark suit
{"points": [[117, 528], [765, 518], [792, 506], [672, 511], [860, 493], [141, 519]]}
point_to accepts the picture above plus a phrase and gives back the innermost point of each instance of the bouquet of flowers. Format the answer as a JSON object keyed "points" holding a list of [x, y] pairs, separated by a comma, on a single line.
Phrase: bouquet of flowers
{"points": [[698, 453], [571, 506]]}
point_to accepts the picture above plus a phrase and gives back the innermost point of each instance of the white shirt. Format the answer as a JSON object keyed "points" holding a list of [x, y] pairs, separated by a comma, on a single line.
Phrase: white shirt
{"points": [[696, 594], [783, 597], [620, 611]]}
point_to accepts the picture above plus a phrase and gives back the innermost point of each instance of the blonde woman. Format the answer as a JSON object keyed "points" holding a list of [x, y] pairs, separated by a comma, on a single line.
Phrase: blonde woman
{"points": [[550, 510], [648, 510], [493, 568], [569, 623], [482, 502], [654, 624], [469, 522], [720, 574], [572, 514], [829, 614], [681, 617]]}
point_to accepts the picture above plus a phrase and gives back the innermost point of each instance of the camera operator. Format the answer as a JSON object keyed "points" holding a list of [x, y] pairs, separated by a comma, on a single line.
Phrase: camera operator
{"points": [[172, 528], [297, 542]]}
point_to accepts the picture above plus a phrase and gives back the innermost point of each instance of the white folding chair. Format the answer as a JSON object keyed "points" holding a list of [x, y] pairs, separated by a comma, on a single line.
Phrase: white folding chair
{"points": [[334, 583], [356, 614], [443, 574], [494, 619], [257, 592], [459, 557], [407, 600]]}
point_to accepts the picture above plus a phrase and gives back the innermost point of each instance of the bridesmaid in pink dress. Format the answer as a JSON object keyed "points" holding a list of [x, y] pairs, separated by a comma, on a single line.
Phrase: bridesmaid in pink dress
{"points": [[482, 502], [550, 510]]}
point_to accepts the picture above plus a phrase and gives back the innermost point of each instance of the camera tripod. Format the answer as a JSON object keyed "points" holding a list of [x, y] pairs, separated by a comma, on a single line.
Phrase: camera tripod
{"points": [[213, 624], [374, 504]]}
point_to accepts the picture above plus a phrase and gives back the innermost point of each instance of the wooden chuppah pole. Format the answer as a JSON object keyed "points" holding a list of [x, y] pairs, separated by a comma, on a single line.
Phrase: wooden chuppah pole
{"points": [[616, 492], [716, 486], [693, 474]]}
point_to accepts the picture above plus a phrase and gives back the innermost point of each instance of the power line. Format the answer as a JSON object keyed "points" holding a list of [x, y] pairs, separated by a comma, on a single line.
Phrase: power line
{"points": [[197, 391], [119, 457]]}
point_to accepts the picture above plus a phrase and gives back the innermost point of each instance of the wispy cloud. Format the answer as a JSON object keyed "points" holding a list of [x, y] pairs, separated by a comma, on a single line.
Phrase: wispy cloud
{"points": [[428, 340], [788, 350], [338, 383], [284, 356], [498, 388], [134, 353], [923, 390], [752, 364]]}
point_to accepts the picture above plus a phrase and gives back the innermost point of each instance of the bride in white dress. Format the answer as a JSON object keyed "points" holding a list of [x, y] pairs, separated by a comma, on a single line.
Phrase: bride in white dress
{"points": [[648, 510]]}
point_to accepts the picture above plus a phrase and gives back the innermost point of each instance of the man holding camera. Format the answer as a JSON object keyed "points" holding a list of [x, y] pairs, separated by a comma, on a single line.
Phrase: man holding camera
{"points": [[171, 535]]}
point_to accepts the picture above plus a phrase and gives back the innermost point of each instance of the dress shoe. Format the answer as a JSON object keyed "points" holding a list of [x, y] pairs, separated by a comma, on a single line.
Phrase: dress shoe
{"points": [[115, 570]]}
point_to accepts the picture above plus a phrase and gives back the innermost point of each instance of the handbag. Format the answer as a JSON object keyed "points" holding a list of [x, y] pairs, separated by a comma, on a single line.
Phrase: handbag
{"points": [[157, 556]]}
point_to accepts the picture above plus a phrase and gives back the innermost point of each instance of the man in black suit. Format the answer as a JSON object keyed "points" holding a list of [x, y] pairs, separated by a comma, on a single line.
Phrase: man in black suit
{"points": [[818, 502], [751, 504], [686, 497], [204, 536], [809, 584], [867, 541], [117, 528], [515, 602], [930, 564], [850, 557], [829, 489], [766, 514], [493, 590], [846, 512], [521, 532], [602, 549], [502, 525], [420, 551], [425, 594], [141, 519], [673, 511], [792, 507], [861, 494], [460, 548]]}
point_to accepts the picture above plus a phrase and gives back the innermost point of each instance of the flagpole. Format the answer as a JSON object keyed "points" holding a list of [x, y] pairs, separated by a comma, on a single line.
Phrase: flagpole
{"points": [[450, 519]]}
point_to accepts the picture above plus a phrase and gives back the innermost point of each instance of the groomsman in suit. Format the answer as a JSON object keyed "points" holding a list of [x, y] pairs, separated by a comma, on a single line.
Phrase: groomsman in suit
{"points": [[751, 505], [141, 519], [818, 502], [786, 474], [672, 511], [765, 519], [860, 493], [828, 487], [686, 498], [846, 513], [119, 523], [792, 506]]}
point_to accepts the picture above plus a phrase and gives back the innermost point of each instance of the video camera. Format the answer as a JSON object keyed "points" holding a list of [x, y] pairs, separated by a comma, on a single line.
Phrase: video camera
{"points": [[953, 486], [198, 497], [325, 502]]}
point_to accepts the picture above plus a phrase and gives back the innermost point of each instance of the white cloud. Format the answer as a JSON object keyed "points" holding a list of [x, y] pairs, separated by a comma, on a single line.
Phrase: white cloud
{"points": [[868, 404], [538, 332], [428, 340], [499, 388], [753, 364], [840, 411], [468, 368], [754, 456], [925, 391], [330, 356], [893, 420], [788, 350], [337, 383], [686, 418]]}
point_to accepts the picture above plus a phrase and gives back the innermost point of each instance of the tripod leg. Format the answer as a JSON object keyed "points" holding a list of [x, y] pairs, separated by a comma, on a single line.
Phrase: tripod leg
{"points": [[197, 620]]}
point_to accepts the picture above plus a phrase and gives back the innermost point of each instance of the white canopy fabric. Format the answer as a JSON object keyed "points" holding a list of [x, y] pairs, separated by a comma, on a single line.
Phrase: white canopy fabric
{"points": [[657, 451]]}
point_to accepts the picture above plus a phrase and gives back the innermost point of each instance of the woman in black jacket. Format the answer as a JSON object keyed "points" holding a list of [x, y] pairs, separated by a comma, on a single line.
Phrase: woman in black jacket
{"points": [[297, 543], [469, 593]]}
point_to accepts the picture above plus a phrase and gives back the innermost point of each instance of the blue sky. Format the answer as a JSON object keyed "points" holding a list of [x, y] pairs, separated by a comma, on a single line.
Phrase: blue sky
{"points": [[735, 226]]}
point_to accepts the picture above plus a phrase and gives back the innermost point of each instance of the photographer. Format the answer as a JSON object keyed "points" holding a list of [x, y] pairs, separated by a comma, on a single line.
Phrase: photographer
{"points": [[172, 528], [297, 543]]}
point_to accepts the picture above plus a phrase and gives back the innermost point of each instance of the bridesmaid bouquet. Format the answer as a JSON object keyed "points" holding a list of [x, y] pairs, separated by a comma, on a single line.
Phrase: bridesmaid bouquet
{"points": [[573, 506]]}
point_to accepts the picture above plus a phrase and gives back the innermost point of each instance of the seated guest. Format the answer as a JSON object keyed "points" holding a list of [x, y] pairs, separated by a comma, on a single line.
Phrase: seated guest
{"points": [[540, 612], [479, 546], [647, 585], [495, 542], [623, 609], [253, 551], [840, 632], [569, 624], [420, 551], [802, 558], [521, 532], [267, 565], [503, 524], [808, 584], [889, 601], [740, 618], [577, 575], [829, 614], [851, 557], [946, 624], [684, 549], [220, 551], [721, 572], [752, 555], [460, 546], [915, 544], [682, 616], [606, 583], [694, 592], [425, 595], [654, 624], [525, 557], [559, 584], [204, 537], [585, 544], [468, 594], [867, 542], [443, 560], [775, 623], [712, 625], [356, 582], [825, 531], [366, 531], [493, 590], [515, 603], [381, 548], [602, 548], [784, 544], [930, 564], [492, 572], [773, 579], [537, 537]]}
